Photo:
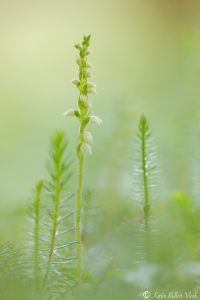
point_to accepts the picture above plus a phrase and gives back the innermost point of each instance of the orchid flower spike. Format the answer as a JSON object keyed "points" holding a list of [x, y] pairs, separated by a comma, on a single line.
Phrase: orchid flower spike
{"points": [[85, 88]]}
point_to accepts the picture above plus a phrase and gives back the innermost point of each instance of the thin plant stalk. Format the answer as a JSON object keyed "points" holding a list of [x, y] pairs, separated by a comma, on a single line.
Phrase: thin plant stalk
{"points": [[144, 134], [55, 225], [85, 88], [78, 213], [57, 196], [37, 207], [145, 182]]}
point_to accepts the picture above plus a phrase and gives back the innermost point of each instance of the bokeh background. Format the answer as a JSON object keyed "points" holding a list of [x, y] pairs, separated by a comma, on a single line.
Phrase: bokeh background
{"points": [[146, 57]]}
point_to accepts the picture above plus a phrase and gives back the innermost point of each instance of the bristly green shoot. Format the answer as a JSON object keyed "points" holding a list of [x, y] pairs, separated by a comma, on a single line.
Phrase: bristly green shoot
{"points": [[57, 155], [144, 176], [144, 134], [37, 213], [53, 231], [85, 87]]}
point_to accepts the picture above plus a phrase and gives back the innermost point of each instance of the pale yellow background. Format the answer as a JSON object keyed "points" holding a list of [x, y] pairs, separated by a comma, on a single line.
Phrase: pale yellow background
{"points": [[146, 56]]}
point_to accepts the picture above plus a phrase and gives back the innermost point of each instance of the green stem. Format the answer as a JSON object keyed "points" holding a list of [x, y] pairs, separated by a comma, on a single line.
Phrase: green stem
{"points": [[78, 214], [145, 182], [55, 224], [37, 202], [146, 193]]}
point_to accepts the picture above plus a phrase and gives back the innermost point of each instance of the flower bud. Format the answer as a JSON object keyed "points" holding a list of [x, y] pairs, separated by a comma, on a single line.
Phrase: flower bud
{"points": [[88, 104], [95, 120], [86, 148], [76, 82], [88, 138], [88, 52], [89, 65], [91, 90], [91, 85], [88, 74], [69, 113], [81, 62], [78, 61], [83, 98], [77, 46]]}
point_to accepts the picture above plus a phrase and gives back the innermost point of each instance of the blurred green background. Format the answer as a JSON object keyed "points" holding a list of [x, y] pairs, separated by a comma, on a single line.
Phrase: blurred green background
{"points": [[146, 57]]}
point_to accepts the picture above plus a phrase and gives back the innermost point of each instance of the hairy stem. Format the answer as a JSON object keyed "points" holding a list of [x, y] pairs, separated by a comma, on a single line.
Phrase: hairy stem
{"points": [[145, 182], [37, 204], [78, 213], [55, 221], [144, 136]]}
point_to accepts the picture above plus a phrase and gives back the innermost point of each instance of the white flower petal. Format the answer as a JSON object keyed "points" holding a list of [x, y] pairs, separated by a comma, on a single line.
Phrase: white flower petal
{"points": [[88, 137], [91, 85], [91, 90], [88, 104], [83, 98], [69, 113], [95, 120], [86, 148]]}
